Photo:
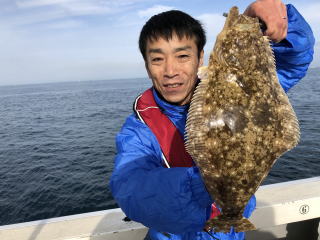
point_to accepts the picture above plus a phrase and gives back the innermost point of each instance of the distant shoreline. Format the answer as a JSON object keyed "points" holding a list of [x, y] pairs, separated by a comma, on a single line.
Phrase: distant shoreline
{"points": [[99, 80], [73, 81]]}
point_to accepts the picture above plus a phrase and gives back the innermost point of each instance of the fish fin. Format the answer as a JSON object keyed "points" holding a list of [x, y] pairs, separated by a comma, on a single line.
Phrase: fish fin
{"points": [[194, 126], [221, 224]]}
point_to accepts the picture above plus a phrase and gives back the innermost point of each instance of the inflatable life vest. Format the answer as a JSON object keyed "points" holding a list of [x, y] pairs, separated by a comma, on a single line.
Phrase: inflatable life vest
{"points": [[171, 142], [168, 136]]}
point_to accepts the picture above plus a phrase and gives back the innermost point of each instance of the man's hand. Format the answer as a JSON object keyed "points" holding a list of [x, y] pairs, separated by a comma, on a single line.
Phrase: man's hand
{"points": [[274, 14]]}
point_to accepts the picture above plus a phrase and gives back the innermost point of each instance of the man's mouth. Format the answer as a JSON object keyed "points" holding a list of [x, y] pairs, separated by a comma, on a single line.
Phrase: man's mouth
{"points": [[174, 85]]}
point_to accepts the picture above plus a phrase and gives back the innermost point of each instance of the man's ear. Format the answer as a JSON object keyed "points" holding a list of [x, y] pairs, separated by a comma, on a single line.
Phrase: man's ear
{"points": [[201, 58]]}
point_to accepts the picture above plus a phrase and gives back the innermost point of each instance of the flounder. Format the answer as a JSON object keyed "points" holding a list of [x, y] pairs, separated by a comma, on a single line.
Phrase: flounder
{"points": [[240, 120]]}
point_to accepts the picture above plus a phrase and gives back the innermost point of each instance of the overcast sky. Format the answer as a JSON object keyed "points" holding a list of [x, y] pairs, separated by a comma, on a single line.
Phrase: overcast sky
{"points": [[74, 40]]}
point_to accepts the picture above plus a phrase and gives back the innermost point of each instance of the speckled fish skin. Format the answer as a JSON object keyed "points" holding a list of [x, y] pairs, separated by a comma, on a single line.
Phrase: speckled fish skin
{"points": [[240, 120]]}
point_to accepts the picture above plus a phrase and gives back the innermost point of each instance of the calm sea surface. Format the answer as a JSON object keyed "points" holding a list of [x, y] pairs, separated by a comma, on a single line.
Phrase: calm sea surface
{"points": [[57, 144]]}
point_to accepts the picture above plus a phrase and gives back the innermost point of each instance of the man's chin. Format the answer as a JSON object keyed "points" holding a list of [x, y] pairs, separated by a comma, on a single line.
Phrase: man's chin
{"points": [[177, 100]]}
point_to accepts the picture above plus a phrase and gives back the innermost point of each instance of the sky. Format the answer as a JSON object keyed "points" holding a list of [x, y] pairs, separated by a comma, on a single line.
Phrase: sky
{"points": [[77, 40]]}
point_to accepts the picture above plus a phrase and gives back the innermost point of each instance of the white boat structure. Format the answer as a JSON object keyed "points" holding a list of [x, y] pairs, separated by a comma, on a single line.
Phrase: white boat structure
{"points": [[288, 210]]}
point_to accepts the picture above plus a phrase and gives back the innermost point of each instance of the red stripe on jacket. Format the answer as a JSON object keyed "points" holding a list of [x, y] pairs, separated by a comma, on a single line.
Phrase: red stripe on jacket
{"points": [[167, 134]]}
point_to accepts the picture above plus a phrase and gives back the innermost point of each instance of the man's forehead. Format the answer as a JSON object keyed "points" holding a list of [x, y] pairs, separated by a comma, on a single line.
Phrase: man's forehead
{"points": [[178, 41], [173, 36]]}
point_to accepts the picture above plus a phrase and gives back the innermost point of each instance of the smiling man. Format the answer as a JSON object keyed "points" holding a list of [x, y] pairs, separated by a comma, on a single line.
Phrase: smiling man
{"points": [[155, 181], [172, 65]]}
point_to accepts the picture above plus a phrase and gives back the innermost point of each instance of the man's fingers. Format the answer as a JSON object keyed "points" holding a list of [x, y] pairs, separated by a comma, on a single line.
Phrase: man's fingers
{"points": [[277, 30], [251, 9], [274, 14], [284, 10]]}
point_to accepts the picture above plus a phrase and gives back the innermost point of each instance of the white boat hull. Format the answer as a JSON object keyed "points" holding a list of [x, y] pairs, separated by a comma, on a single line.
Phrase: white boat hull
{"points": [[289, 209]]}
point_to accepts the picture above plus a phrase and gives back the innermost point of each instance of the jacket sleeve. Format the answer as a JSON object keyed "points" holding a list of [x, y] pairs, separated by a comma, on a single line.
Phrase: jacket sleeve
{"points": [[171, 200], [294, 54]]}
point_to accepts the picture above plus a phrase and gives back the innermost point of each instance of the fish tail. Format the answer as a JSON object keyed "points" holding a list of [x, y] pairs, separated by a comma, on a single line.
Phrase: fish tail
{"points": [[219, 224], [244, 225]]}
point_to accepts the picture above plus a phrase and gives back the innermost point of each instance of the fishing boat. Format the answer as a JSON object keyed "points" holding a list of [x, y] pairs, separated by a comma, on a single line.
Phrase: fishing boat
{"points": [[285, 211]]}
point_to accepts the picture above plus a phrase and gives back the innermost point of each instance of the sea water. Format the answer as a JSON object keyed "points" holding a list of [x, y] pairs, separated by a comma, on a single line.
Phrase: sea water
{"points": [[57, 144]]}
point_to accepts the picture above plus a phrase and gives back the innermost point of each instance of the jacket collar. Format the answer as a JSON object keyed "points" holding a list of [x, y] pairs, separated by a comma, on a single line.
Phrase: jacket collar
{"points": [[169, 109]]}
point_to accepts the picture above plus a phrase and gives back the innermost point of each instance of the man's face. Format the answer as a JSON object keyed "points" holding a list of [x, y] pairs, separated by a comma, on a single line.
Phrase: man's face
{"points": [[172, 65]]}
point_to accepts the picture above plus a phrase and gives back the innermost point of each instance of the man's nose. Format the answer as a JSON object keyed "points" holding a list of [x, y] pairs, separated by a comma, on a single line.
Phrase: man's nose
{"points": [[170, 68]]}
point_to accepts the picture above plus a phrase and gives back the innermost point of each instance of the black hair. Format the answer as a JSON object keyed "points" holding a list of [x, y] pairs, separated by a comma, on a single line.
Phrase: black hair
{"points": [[166, 24]]}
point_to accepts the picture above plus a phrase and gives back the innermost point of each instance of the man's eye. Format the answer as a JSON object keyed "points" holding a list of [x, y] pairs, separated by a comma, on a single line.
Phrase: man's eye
{"points": [[158, 59], [183, 56]]}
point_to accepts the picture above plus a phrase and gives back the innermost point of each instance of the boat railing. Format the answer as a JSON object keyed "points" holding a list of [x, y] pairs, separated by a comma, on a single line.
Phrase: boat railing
{"points": [[289, 210]]}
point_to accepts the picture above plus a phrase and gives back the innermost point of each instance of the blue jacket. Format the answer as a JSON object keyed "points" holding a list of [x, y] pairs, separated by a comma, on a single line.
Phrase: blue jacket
{"points": [[173, 202]]}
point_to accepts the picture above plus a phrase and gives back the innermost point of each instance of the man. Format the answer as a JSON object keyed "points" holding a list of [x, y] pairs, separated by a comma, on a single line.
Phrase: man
{"points": [[154, 180]]}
